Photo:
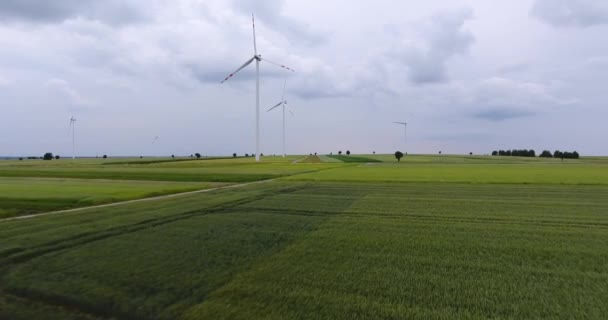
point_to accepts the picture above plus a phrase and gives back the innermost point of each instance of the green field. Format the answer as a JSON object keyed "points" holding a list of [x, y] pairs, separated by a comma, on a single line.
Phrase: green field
{"points": [[432, 237]]}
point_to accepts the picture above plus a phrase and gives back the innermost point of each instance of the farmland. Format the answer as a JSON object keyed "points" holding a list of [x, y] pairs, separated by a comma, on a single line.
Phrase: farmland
{"points": [[430, 237]]}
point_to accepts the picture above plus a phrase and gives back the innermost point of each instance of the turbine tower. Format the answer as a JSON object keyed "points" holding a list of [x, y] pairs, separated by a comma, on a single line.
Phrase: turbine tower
{"points": [[404, 132], [73, 130], [257, 59], [283, 103]]}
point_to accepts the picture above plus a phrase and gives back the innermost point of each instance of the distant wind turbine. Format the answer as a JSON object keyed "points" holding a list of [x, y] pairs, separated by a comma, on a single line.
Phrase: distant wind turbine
{"points": [[73, 130], [257, 59], [155, 138], [404, 131], [283, 103]]}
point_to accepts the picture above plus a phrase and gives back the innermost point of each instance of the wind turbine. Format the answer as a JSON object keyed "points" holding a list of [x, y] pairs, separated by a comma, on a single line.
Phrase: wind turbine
{"points": [[283, 103], [73, 129], [257, 57], [404, 131], [155, 138]]}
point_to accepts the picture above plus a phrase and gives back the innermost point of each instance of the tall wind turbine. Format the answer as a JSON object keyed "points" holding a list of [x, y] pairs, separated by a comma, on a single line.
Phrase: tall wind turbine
{"points": [[283, 103], [257, 57], [404, 131], [73, 130]]}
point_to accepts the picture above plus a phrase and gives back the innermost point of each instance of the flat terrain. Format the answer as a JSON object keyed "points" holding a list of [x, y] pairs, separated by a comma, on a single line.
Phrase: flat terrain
{"points": [[431, 238]]}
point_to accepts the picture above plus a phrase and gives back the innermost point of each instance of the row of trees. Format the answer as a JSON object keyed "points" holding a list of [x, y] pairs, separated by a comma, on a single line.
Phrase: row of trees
{"points": [[515, 153], [559, 154], [531, 153]]}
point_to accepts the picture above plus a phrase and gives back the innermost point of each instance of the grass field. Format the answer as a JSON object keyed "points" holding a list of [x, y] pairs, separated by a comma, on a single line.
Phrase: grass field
{"points": [[457, 237], [19, 196]]}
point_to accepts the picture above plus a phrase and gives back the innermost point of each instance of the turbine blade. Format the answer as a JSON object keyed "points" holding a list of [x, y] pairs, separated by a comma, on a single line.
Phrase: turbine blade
{"points": [[400, 122], [291, 112], [284, 85], [239, 69], [255, 48], [278, 104], [278, 64]]}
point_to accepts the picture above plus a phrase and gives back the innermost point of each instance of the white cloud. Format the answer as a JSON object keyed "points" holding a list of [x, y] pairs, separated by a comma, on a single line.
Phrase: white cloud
{"points": [[75, 98]]}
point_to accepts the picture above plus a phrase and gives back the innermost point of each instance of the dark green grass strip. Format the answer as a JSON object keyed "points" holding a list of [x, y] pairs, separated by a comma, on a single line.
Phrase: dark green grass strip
{"points": [[353, 159], [165, 160], [18, 308], [134, 175]]}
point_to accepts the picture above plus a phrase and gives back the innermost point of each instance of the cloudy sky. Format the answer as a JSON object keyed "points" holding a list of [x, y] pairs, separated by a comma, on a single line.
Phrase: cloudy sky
{"points": [[468, 75]]}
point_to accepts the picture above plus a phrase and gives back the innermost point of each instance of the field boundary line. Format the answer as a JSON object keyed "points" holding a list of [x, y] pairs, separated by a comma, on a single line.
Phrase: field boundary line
{"points": [[173, 195]]}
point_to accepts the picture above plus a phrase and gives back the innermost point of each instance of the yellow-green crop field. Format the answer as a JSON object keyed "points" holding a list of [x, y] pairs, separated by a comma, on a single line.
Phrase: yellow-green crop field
{"points": [[430, 237]]}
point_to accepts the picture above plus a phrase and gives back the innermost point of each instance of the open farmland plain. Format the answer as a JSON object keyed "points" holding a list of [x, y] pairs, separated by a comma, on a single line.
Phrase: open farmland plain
{"points": [[432, 237]]}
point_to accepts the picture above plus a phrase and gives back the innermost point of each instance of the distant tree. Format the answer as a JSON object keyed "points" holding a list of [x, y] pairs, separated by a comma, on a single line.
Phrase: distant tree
{"points": [[398, 156], [557, 154], [141, 157], [198, 155], [470, 153], [575, 155], [105, 156], [20, 158], [348, 152], [246, 155], [494, 153], [546, 154], [234, 155], [315, 153], [172, 156], [374, 152], [339, 152], [439, 152], [57, 157], [261, 154], [48, 156], [331, 153]]}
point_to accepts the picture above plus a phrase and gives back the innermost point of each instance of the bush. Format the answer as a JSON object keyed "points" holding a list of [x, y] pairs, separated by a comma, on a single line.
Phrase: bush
{"points": [[48, 156]]}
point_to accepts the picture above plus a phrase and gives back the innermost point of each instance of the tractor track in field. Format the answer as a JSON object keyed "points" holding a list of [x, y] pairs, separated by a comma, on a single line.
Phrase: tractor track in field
{"points": [[30, 216]]}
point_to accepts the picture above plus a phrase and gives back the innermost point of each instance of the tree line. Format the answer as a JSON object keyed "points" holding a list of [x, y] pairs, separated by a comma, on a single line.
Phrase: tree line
{"points": [[530, 153]]}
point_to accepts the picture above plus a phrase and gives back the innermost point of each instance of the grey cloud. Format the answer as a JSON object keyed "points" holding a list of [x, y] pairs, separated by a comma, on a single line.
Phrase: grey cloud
{"points": [[501, 114], [57, 11], [499, 99], [270, 12], [581, 13], [442, 37]]}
